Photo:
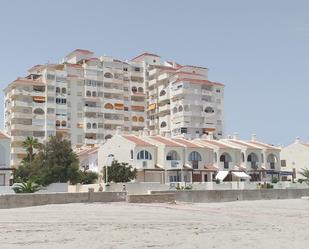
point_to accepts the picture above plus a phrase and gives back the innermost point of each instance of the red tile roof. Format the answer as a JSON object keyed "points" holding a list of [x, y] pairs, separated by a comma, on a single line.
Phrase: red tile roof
{"points": [[84, 51], [197, 81], [217, 144], [138, 141], [4, 135], [242, 143], [88, 151], [263, 145], [187, 143], [166, 141], [145, 54]]}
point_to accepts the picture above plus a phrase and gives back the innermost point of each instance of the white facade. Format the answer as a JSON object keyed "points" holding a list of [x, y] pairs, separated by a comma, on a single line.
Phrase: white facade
{"points": [[5, 170], [198, 160], [295, 157], [86, 97], [88, 158]]}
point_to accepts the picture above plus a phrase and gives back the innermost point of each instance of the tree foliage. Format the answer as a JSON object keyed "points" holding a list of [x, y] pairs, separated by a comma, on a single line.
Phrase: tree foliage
{"points": [[120, 172], [55, 162], [26, 187], [305, 173]]}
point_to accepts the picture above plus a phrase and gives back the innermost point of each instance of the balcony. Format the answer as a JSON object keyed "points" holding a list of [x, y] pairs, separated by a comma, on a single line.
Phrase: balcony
{"points": [[173, 164], [152, 82], [164, 109], [92, 109], [163, 76], [114, 121], [16, 103]]}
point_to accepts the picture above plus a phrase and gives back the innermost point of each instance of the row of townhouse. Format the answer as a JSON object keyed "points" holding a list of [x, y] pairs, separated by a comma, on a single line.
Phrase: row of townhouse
{"points": [[85, 97], [165, 159]]}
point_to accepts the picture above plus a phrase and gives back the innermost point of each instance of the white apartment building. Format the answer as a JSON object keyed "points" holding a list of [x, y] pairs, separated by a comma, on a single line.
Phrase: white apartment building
{"points": [[5, 170], [86, 97]]}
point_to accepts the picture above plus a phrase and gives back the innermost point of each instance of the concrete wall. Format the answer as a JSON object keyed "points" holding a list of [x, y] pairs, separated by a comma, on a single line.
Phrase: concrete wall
{"points": [[26, 200], [234, 195], [154, 198]]}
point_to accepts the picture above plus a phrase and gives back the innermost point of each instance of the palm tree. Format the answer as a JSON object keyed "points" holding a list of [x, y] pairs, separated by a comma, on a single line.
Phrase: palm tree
{"points": [[30, 144], [305, 173]]}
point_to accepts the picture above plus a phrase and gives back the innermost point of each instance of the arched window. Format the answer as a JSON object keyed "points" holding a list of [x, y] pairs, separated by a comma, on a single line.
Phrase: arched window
{"points": [[38, 111], [209, 110], [57, 123], [253, 160], [180, 108], [141, 119], [163, 124], [108, 106], [172, 155], [175, 109], [134, 119], [195, 156], [134, 89], [108, 75], [272, 160], [140, 90], [88, 125], [144, 155], [242, 157], [162, 93], [94, 126], [64, 90], [94, 94], [108, 137], [88, 94], [64, 123], [57, 89], [225, 158]]}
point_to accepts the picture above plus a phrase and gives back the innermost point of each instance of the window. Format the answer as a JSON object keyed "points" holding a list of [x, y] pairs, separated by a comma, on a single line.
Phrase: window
{"points": [[131, 154], [64, 90], [38, 111], [125, 69], [180, 108], [64, 123], [209, 110], [144, 155], [163, 124], [94, 126], [162, 93], [175, 110], [195, 156], [108, 137], [134, 119], [140, 90], [134, 89], [88, 94], [283, 163], [88, 125], [172, 155], [57, 123], [140, 119], [94, 94], [218, 90], [137, 69], [57, 89], [108, 75], [108, 106]]}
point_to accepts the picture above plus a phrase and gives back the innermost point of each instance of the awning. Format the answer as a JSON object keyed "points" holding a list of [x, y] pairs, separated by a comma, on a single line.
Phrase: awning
{"points": [[241, 175], [221, 175]]}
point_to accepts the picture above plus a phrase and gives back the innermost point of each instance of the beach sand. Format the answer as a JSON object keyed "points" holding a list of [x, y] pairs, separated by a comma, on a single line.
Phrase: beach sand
{"points": [[244, 224]]}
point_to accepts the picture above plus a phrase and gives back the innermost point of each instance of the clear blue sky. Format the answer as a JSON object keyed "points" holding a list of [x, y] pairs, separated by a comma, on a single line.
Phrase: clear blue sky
{"points": [[259, 49]]}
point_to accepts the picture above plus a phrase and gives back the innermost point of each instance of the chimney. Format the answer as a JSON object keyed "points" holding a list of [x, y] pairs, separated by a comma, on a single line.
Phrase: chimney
{"points": [[253, 137], [297, 140], [118, 130], [210, 136], [145, 132], [140, 133], [235, 136]]}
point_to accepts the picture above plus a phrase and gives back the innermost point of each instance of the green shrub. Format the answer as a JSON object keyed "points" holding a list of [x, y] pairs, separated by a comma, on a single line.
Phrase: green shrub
{"points": [[26, 187]]}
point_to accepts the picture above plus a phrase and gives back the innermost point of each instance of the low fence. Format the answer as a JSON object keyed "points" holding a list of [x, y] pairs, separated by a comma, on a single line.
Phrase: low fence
{"points": [[235, 195], [153, 198], [26, 200]]}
